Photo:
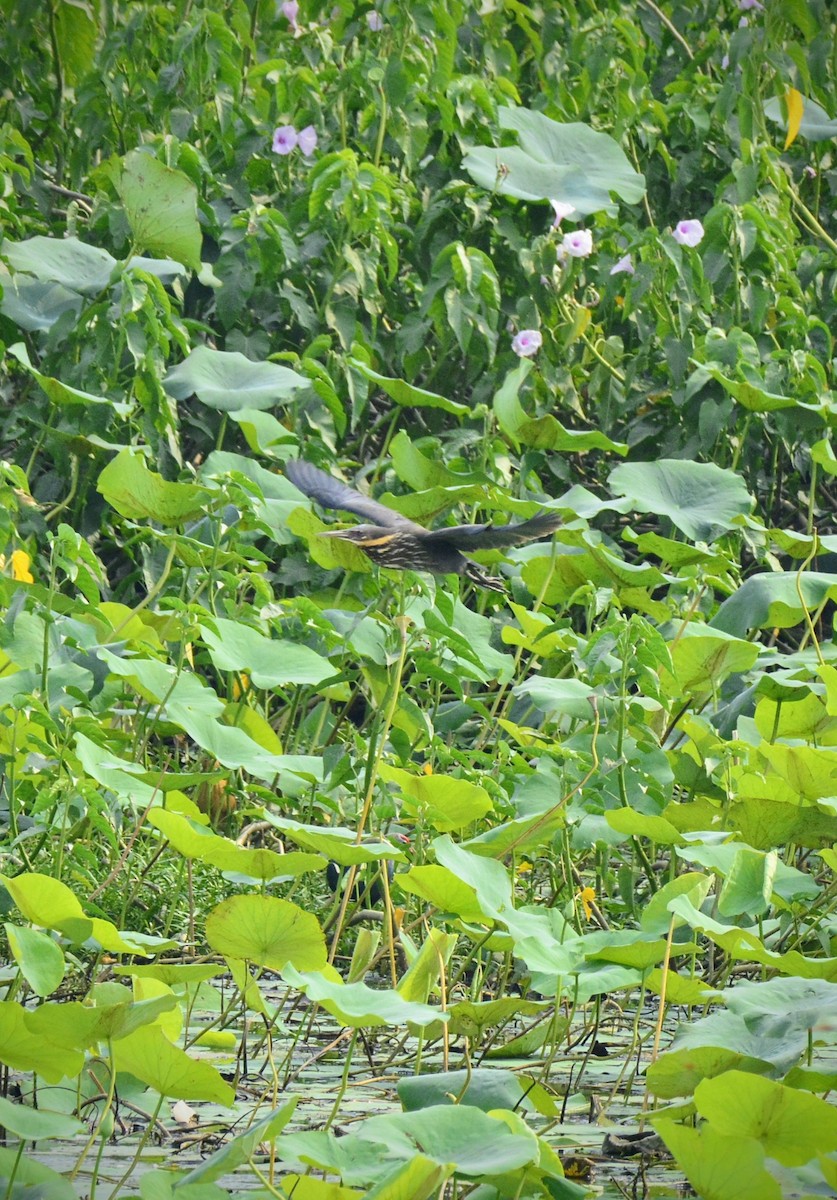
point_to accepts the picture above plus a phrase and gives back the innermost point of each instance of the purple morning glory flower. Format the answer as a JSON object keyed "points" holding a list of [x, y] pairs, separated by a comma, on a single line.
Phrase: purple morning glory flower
{"points": [[307, 140], [624, 266], [527, 343], [375, 21], [578, 244], [290, 9], [746, 5], [284, 139], [688, 233], [561, 210]]}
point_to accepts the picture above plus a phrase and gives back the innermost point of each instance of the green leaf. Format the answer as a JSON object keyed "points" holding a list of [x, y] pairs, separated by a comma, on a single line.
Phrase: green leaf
{"points": [[39, 958], [173, 974], [73, 264], [679, 1071], [140, 494], [553, 161], [485, 1088], [746, 945], [196, 708], [420, 472], [359, 1006], [337, 843], [748, 887], [25, 1050], [161, 208], [240, 1149], [39, 1180], [439, 800], [34, 1125], [416, 1179], [564, 697], [43, 900], [424, 971], [789, 883], [405, 394], [266, 931], [702, 658], [443, 889], [792, 1126], [636, 824], [36, 306], [522, 834], [719, 1167], [800, 1004], [74, 1024], [195, 842], [76, 33], [750, 393], [475, 1144], [150, 1056], [545, 432], [772, 600], [701, 499], [270, 662], [655, 916], [228, 381], [61, 393]]}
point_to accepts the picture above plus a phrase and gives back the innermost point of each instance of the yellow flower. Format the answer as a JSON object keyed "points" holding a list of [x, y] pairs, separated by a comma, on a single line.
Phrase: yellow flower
{"points": [[238, 689], [524, 868], [20, 567], [427, 768], [587, 895]]}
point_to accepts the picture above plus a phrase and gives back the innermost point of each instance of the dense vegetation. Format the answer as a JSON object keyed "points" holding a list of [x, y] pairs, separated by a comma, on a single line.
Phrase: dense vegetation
{"points": [[473, 260]]}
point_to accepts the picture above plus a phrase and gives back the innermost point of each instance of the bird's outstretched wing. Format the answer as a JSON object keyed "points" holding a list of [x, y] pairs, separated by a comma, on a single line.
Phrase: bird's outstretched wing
{"points": [[331, 493], [468, 538]]}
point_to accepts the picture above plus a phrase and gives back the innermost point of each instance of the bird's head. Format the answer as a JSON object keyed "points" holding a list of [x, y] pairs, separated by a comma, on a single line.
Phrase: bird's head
{"points": [[361, 535]]}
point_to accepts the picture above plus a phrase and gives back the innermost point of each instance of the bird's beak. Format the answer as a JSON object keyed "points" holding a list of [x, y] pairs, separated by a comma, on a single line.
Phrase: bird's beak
{"points": [[336, 533]]}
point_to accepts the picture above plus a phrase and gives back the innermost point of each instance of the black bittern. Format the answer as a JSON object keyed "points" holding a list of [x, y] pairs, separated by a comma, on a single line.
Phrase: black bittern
{"points": [[394, 541]]}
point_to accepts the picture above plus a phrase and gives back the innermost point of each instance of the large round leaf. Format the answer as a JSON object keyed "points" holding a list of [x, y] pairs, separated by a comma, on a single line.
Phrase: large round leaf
{"points": [[553, 161], [161, 205], [141, 494], [270, 662], [702, 500], [228, 381], [266, 931]]}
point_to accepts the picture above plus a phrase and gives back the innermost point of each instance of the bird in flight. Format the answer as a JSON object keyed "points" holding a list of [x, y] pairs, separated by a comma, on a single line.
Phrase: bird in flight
{"points": [[393, 541]]}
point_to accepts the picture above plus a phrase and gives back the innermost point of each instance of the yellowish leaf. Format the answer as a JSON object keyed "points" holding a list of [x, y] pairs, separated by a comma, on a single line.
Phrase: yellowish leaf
{"points": [[796, 106]]}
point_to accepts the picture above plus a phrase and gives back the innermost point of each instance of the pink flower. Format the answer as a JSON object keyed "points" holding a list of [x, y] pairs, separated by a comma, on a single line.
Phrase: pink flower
{"points": [[527, 343], [725, 62], [579, 243], [624, 266], [688, 233], [290, 9], [809, 172], [746, 5], [375, 21], [284, 139], [307, 140], [561, 210]]}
